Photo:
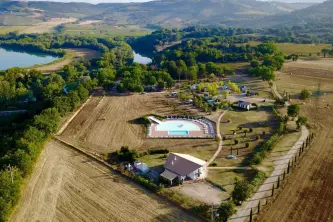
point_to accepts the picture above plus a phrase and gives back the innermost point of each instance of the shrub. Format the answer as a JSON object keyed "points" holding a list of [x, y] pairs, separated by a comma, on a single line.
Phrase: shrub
{"points": [[257, 137], [157, 151], [146, 183], [247, 145], [226, 210], [242, 191], [213, 164], [236, 142], [305, 94], [126, 154], [251, 130]]}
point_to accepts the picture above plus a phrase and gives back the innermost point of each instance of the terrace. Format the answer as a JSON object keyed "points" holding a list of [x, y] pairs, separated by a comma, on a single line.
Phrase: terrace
{"points": [[181, 127]]}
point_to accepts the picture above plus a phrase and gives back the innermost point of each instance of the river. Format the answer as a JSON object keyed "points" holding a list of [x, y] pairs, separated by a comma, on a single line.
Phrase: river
{"points": [[141, 59], [12, 58]]}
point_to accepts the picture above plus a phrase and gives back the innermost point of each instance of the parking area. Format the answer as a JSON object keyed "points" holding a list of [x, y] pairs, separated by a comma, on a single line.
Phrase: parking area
{"points": [[203, 191]]}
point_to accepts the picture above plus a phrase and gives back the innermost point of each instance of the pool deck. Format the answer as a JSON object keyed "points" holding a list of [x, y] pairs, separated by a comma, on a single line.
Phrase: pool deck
{"points": [[206, 130]]}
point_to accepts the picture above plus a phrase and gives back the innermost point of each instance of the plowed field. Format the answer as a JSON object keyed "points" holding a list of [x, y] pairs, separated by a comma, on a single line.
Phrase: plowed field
{"points": [[68, 186]]}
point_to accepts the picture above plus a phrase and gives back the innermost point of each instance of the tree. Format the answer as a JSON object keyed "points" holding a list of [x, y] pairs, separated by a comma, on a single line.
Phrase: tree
{"points": [[305, 94], [301, 120], [225, 210], [242, 190], [293, 110], [225, 93], [325, 52]]}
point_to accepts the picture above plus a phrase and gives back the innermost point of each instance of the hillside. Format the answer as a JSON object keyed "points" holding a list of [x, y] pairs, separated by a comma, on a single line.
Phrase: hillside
{"points": [[185, 12], [163, 12], [316, 14]]}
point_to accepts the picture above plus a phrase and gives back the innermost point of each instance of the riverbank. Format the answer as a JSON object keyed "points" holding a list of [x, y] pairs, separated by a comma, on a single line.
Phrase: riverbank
{"points": [[72, 54]]}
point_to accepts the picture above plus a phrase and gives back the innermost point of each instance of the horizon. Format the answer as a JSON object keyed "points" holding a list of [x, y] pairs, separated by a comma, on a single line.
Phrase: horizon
{"points": [[142, 1]]}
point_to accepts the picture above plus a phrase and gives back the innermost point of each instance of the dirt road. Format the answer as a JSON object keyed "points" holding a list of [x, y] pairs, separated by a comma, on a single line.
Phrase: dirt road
{"points": [[280, 164], [67, 186], [307, 195]]}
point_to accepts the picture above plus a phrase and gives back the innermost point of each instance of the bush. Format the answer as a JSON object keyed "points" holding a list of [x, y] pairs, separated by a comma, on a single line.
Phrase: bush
{"points": [[226, 210], [146, 183], [247, 145], [126, 154], [213, 164], [242, 191], [157, 151], [305, 94]]}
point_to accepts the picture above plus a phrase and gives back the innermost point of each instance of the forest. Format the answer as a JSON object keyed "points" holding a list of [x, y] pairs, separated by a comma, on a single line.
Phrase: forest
{"points": [[44, 99]]}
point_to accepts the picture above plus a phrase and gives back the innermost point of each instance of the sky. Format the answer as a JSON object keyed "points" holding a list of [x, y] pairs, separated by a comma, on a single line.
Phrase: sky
{"points": [[126, 1]]}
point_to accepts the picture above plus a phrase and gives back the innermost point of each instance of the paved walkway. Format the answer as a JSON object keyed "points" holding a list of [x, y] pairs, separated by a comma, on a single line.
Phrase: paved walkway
{"points": [[218, 134], [265, 190]]}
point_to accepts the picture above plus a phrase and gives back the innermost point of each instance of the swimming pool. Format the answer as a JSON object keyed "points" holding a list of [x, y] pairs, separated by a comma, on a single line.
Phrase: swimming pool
{"points": [[177, 125], [178, 132]]}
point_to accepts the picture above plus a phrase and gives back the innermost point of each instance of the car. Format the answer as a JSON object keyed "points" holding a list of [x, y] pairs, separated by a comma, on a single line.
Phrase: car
{"points": [[231, 156]]}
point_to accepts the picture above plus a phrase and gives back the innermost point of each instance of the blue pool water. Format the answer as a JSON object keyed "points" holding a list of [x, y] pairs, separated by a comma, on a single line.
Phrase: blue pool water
{"points": [[177, 125], [179, 132]]}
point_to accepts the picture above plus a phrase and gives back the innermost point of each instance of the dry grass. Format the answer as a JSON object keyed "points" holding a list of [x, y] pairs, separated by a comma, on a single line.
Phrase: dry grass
{"points": [[108, 123], [47, 26], [307, 193], [259, 120], [68, 186]]}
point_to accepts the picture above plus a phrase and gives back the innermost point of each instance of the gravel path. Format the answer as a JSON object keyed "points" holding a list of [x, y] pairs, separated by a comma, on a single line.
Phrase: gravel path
{"points": [[265, 190], [218, 133]]}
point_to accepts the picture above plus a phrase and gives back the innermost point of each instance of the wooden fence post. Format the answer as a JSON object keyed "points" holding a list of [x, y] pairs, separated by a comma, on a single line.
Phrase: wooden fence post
{"points": [[278, 182], [251, 215], [259, 207], [288, 169], [273, 190], [284, 174]]}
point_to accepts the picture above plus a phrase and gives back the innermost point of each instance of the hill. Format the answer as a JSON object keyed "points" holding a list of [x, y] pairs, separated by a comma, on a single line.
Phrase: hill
{"points": [[162, 13], [319, 14]]}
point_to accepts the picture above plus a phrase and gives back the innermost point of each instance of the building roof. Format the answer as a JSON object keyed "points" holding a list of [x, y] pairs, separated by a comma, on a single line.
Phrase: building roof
{"points": [[183, 164], [244, 103], [168, 175]]}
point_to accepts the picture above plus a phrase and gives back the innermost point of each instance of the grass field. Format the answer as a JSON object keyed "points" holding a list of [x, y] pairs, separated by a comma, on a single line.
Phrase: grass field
{"points": [[307, 193], [68, 186], [301, 49]]}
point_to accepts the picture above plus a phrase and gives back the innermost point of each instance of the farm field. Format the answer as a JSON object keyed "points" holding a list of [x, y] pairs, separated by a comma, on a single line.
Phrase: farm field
{"points": [[6, 29], [107, 123], [68, 186], [307, 195], [301, 49], [322, 68], [47, 26], [97, 28], [74, 54]]}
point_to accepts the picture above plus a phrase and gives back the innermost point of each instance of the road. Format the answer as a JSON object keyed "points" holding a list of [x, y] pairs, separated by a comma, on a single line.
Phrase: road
{"points": [[277, 94]]}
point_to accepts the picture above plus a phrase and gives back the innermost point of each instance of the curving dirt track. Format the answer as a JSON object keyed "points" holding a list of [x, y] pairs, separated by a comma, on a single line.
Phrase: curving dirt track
{"points": [[68, 186], [307, 195]]}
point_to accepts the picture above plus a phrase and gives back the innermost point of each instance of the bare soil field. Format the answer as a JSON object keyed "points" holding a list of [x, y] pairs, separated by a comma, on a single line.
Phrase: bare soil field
{"points": [[77, 54], [307, 196], [88, 22], [68, 186], [322, 68], [107, 123], [47, 26]]}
